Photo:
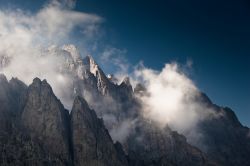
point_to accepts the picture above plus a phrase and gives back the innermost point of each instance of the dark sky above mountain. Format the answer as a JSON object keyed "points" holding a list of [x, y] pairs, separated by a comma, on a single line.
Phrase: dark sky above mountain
{"points": [[213, 34]]}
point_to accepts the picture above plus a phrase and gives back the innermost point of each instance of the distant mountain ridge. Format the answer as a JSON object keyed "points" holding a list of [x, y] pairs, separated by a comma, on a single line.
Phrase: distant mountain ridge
{"points": [[36, 129]]}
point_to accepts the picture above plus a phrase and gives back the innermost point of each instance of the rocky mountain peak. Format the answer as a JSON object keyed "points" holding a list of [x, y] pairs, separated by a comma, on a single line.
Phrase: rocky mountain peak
{"points": [[102, 81], [126, 81], [45, 120], [36, 82], [91, 65], [44, 133], [40, 88], [92, 142], [126, 87]]}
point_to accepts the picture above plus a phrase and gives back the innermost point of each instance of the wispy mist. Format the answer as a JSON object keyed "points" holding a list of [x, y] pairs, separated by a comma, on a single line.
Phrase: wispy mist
{"points": [[25, 37], [171, 100]]}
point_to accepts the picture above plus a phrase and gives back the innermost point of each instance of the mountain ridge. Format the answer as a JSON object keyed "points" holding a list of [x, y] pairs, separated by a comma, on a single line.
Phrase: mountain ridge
{"points": [[39, 100], [37, 118]]}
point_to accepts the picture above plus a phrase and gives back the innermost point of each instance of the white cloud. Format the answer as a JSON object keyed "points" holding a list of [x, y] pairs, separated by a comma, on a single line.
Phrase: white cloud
{"points": [[122, 130], [172, 99], [25, 36]]}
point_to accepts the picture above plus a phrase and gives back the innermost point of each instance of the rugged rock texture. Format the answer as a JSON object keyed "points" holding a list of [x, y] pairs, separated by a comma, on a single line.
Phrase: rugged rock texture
{"points": [[36, 129], [46, 122], [91, 140], [225, 139], [149, 145]]}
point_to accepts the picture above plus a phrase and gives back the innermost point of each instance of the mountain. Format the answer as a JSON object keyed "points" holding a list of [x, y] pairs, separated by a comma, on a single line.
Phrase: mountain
{"points": [[226, 140], [46, 121], [151, 146], [37, 129], [92, 142]]}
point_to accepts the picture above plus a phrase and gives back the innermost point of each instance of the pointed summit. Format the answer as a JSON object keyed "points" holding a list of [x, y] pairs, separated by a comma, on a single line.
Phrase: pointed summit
{"points": [[91, 65], [126, 85], [45, 119], [41, 87], [126, 81], [36, 82], [102, 81], [91, 140]]}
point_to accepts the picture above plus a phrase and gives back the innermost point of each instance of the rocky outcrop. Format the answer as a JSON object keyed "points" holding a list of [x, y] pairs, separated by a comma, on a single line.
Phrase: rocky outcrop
{"points": [[36, 129], [149, 145], [91, 140], [225, 140], [11, 101], [46, 121]]}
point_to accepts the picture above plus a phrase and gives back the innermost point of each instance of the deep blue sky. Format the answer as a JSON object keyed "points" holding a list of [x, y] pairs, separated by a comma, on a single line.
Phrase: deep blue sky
{"points": [[214, 34]]}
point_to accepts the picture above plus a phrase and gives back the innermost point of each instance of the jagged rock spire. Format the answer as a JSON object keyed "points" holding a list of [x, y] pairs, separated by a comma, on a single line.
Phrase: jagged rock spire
{"points": [[45, 119], [92, 142]]}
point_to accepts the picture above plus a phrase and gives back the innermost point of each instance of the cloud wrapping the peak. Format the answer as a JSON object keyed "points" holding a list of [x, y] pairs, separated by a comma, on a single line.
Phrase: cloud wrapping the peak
{"points": [[25, 37], [171, 99]]}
